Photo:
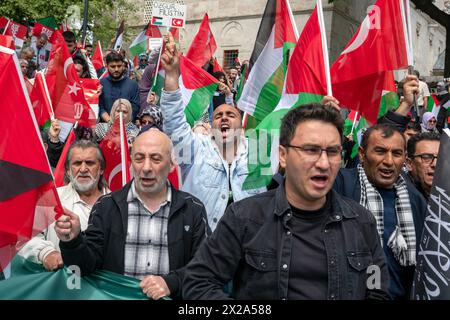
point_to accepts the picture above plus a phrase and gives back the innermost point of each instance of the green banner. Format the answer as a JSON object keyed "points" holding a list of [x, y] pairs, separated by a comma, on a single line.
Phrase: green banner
{"points": [[30, 281]]}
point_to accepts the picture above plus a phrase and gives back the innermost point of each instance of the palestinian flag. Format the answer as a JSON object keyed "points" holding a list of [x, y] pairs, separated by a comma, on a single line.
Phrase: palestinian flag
{"points": [[119, 37], [305, 83], [140, 43], [157, 21], [268, 64], [29, 202], [30, 281], [433, 104], [197, 87], [48, 22]]}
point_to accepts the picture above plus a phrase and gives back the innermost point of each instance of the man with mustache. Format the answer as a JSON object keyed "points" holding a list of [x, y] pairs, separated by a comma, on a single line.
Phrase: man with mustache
{"points": [[147, 230], [397, 205], [84, 169], [423, 150], [301, 241]]}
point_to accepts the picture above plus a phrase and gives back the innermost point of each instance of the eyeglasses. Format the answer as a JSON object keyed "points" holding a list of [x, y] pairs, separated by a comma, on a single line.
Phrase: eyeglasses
{"points": [[432, 120], [426, 158], [313, 153]]}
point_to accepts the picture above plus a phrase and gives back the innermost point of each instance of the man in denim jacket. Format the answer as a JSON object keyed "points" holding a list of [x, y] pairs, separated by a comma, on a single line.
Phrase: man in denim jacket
{"points": [[213, 166]]}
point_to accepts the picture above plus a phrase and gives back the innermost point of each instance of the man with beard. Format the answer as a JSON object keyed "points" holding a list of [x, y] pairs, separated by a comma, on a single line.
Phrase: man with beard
{"points": [[146, 230], [117, 86], [213, 166], [84, 169]]}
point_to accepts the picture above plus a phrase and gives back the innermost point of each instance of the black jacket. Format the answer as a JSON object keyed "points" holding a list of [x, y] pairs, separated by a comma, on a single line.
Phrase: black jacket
{"points": [[102, 245], [252, 246]]}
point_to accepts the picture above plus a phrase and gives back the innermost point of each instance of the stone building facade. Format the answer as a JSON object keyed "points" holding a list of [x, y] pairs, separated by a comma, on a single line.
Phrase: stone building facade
{"points": [[235, 26]]}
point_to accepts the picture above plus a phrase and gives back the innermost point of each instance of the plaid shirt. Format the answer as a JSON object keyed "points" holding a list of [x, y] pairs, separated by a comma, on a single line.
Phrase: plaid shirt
{"points": [[146, 251]]}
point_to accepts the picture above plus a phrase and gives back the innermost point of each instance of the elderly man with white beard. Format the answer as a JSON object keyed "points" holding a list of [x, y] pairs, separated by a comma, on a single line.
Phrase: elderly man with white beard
{"points": [[84, 169]]}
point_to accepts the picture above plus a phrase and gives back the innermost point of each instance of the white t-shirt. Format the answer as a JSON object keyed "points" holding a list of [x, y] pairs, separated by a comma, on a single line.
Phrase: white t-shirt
{"points": [[423, 92]]}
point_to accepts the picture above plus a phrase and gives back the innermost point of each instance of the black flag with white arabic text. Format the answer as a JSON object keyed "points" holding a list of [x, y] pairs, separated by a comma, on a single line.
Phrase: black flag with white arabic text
{"points": [[432, 278]]}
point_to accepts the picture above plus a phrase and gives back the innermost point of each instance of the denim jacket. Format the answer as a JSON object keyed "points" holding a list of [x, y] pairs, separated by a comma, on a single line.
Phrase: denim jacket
{"points": [[205, 173], [252, 246]]}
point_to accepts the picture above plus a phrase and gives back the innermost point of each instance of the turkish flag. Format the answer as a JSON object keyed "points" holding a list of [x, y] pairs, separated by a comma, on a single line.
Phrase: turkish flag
{"points": [[38, 29], [203, 46], [115, 149], [7, 41], [16, 30], [378, 46], [66, 92], [40, 100], [28, 198], [97, 57], [177, 23], [3, 22]]}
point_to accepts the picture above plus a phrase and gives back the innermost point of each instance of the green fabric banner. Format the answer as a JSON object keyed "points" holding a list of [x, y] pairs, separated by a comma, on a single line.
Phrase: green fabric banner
{"points": [[30, 281]]}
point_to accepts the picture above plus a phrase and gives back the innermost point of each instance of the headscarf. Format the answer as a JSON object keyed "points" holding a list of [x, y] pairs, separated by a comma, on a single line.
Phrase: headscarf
{"points": [[154, 112], [427, 116]]}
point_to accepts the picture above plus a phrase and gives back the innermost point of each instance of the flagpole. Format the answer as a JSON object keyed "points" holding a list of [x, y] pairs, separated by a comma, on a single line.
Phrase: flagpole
{"points": [[323, 35], [292, 20], [122, 150], [406, 20], [354, 122], [6, 27], [52, 115], [159, 60], [101, 51]]}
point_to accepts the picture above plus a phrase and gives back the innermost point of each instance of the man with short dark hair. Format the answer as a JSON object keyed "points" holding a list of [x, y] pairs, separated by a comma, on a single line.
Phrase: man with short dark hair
{"points": [[301, 240], [213, 166], [423, 150], [412, 128], [84, 169], [396, 204], [117, 86], [88, 47]]}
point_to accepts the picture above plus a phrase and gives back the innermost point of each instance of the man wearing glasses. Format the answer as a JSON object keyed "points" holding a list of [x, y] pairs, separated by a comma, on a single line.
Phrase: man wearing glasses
{"points": [[301, 240], [396, 204], [423, 150]]}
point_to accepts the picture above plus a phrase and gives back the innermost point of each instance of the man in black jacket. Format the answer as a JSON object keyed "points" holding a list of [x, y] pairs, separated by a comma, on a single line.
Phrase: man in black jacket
{"points": [[301, 240], [147, 229]]}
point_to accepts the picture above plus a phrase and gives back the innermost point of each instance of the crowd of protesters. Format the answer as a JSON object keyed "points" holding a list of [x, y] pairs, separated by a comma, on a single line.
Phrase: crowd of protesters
{"points": [[311, 234]]}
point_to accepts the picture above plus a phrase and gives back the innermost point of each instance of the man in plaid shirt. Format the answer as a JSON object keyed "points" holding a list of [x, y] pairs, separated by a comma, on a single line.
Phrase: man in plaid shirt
{"points": [[146, 230]]}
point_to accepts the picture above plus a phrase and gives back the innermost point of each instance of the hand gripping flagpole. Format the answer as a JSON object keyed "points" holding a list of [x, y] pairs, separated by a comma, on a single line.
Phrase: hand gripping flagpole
{"points": [[406, 20]]}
